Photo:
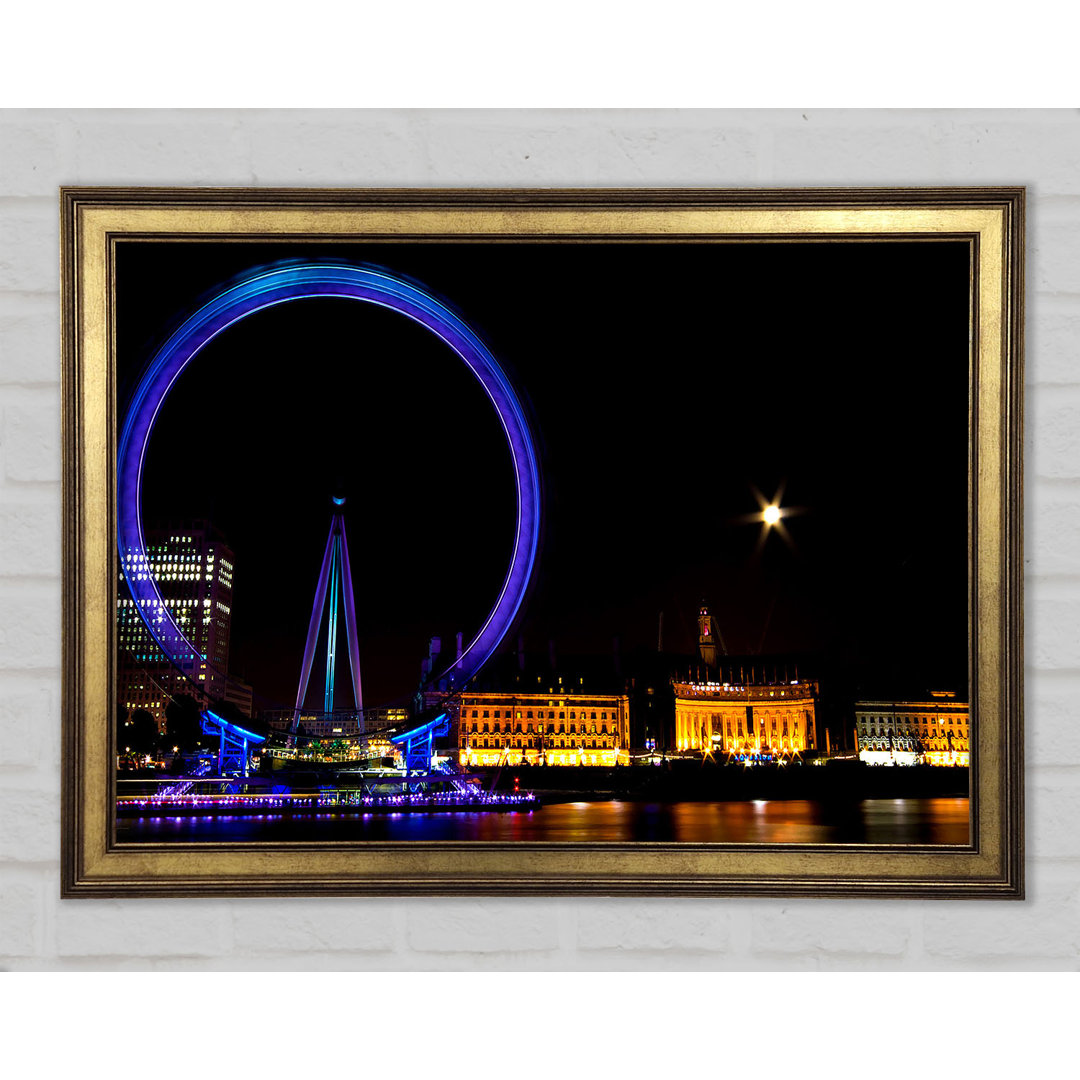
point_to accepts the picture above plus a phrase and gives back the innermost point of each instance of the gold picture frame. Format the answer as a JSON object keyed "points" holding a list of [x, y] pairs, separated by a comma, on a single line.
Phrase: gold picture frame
{"points": [[990, 220]]}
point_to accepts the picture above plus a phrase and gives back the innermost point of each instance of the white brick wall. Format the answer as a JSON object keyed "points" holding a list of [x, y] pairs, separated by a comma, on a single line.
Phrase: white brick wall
{"points": [[42, 149]]}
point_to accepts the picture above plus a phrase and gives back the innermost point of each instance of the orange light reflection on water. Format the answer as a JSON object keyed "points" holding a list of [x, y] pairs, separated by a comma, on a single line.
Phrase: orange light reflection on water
{"points": [[870, 821]]}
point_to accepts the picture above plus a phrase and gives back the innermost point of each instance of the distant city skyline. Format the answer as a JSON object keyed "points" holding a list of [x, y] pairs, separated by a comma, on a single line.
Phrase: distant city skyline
{"points": [[669, 385]]}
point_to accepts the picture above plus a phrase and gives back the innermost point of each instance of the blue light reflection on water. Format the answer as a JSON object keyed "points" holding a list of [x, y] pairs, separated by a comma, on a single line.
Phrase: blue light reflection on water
{"points": [[871, 821]]}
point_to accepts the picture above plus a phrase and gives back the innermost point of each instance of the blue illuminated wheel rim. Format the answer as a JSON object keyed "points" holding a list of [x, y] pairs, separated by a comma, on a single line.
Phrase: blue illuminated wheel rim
{"points": [[267, 288]]}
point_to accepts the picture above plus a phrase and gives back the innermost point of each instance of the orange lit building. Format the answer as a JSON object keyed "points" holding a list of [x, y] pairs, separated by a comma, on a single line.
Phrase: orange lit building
{"points": [[760, 721], [935, 732], [564, 728]]}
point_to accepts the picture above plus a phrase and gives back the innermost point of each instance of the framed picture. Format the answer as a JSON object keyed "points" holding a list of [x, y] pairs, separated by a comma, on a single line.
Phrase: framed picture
{"points": [[603, 542]]}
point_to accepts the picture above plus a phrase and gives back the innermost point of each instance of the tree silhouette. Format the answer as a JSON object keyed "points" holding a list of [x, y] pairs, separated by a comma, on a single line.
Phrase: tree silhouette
{"points": [[140, 733], [183, 727]]}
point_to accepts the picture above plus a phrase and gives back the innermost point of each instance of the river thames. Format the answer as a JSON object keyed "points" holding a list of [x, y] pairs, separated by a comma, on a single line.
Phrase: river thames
{"points": [[760, 821]]}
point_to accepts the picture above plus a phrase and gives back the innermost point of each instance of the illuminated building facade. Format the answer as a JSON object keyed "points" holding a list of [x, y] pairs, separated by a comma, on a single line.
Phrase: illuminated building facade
{"points": [[935, 732], [560, 728], [752, 722], [193, 570]]}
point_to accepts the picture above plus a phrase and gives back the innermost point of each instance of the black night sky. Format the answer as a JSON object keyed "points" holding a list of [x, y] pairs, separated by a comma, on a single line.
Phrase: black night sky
{"points": [[666, 382]]}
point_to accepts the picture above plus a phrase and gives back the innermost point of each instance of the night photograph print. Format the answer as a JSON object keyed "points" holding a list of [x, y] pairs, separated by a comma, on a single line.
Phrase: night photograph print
{"points": [[611, 540]]}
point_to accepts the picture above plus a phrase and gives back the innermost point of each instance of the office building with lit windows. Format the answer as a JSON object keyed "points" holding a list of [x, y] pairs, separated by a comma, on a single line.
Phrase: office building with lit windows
{"points": [[934, 732], [567, 727], [193, 568]]}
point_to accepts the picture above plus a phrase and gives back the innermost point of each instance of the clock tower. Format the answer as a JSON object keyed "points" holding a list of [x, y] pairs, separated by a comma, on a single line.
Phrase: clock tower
{"points": [[708, 645]]}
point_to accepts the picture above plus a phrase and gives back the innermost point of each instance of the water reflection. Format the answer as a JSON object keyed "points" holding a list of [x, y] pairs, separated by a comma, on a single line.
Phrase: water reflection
{"points": [[870, 821]]}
